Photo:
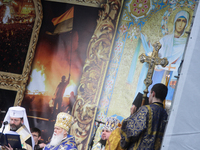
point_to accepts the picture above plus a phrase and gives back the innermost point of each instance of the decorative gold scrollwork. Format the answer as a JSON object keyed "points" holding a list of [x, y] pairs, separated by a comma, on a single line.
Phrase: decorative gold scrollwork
{"points": [[94, 71]]}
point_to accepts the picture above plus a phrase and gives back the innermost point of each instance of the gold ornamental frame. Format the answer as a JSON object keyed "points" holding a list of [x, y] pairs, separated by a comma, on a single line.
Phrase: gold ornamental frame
{"points": [[94, 71], [18, 82]]}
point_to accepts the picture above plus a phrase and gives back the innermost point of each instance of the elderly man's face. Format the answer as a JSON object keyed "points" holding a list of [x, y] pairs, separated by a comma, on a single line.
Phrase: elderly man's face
{"points": [[58, 135], [105, 134], [15, 123], [59, 130]]}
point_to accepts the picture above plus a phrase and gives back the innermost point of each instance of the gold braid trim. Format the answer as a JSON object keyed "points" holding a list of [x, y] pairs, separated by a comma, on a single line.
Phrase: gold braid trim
{"points": [[150, 120]]}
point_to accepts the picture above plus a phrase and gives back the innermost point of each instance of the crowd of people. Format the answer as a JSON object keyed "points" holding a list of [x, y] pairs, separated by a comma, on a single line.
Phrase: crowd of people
{"points": [[14, 43], [143, 129]]}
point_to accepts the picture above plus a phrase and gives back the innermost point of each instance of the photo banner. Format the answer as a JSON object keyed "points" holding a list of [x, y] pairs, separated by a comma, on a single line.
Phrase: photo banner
{"points": [[57, 66]]}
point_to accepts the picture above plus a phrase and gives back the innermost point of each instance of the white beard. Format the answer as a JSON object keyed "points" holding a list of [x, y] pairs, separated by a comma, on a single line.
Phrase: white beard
{"points": [[56, 139]]}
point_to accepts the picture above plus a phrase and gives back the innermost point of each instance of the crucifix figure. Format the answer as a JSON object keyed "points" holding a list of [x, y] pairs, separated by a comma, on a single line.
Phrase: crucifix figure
{"points": [[152, 61]]}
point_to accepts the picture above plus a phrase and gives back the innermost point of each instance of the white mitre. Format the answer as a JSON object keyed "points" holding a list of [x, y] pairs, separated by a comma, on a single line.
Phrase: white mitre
{"points": [[19, 112]]}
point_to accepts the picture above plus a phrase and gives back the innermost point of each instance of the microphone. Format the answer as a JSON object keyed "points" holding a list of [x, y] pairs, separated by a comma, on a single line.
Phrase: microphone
{"points": [[99, 121], [5, 123]]}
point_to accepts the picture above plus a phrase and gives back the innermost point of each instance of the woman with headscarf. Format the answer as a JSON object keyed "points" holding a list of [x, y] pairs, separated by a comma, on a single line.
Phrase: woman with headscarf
{"points": [[173, 46]]}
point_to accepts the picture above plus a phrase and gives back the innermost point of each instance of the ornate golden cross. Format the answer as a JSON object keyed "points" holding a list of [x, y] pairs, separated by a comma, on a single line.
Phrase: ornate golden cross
{"points": [[152, 61]]}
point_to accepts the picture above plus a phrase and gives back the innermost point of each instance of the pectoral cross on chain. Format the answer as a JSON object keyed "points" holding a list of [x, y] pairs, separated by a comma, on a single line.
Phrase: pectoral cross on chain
{"points": [[152, 61]]}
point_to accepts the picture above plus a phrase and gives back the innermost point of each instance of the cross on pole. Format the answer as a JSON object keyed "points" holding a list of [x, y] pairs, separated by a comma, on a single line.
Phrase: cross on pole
{"points": [[152, 61]]}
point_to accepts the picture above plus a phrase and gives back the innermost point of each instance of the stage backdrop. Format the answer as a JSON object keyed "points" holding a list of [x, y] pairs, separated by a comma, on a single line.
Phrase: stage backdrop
{"points": [[60, 53], [70, 65], [142, 23], [71, 61]]}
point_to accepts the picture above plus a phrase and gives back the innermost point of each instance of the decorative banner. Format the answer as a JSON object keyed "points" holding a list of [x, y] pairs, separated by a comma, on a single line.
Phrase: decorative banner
{"points": [[137, 31], [69, 67], [58, 63]]}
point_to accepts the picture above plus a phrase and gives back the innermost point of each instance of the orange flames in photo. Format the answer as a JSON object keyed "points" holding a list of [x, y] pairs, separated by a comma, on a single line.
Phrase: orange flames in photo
{"points": [[52, 61]]}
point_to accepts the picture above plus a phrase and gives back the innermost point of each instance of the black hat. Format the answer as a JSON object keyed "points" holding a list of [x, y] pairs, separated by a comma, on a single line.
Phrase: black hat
{"points": [[138, 100]]}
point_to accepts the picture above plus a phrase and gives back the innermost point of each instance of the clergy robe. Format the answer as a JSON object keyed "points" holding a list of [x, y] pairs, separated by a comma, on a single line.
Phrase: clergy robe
{"points": [[25, 137], [67, 143], [113, 142], [145, 128]]}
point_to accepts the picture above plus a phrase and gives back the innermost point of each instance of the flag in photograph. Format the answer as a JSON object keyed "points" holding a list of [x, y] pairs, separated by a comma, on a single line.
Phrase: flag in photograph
{"points": [[63, 23]]}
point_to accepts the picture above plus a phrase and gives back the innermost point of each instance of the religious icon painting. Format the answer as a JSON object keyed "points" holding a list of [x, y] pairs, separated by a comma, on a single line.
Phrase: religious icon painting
{"points": [[142, 24]]}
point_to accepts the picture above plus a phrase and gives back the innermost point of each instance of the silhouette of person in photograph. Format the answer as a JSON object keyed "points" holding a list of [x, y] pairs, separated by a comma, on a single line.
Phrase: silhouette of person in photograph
{"points": [[71, 101], [58, 95]]}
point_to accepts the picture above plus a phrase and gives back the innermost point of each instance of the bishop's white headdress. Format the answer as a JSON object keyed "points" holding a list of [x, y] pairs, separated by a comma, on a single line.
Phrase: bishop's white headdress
{"points": [[19, 112]]}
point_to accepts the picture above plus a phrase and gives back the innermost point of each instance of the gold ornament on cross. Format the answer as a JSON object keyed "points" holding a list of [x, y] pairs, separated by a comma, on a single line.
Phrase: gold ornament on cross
{"points": [[152, 60]]}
